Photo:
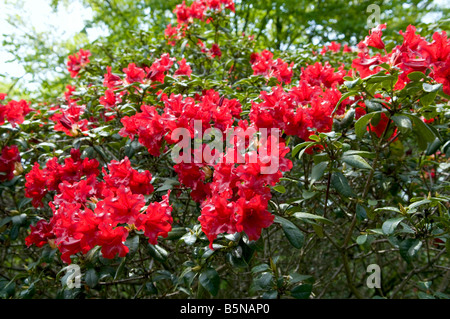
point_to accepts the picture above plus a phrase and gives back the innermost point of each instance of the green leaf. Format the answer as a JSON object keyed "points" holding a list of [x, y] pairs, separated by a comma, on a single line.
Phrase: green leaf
{"points": [[263, 281], [416, 76], [360, 153], [418, 203], [424, 133], [132, 243], [373, 105], [381, 78], [271, 294], [189, 238], [318, 171], [260, 268], [409, 247], [361, 212], [431, 87], [361, 124], [301, 215], [280, 189], [361, 239], [403, 123], [343, 97], [433, 147], [210, 280], [390, 225], [91, 278], [356, 161], [300, 146], [307, 194], [293, 234], [351, 84], [157, 252], [340, 183], [427, 99], [302, 291]]}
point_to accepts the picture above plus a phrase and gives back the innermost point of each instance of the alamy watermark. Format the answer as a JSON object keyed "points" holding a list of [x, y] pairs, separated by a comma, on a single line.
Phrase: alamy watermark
{"points": [[373, 20], [374, 279], [72, 279]]}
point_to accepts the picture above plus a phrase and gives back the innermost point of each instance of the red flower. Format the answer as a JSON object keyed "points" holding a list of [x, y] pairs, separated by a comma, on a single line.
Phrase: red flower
{"points": [[374, 38], [263, 64], [363, 63], [193, 176], [112, 240], [159, 68], [77, 192], [148, 125], [14, 112], [318, 74], [182, 12], [122, 206], [122, 174], [171, 34], [40, 234], [439, 49], [111, 80], [157, 220], [78, 61], [110, 99], [217, 217], [35, 185], [252, 216], [184, 68], [441, 74], [68, 121], [68, 94], [134, 74], [9, 161], [215, 51], [347, 48], [39, 182]]}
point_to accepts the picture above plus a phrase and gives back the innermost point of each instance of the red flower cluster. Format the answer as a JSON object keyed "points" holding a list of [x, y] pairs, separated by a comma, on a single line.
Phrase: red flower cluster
{"points": [[152, 128], [374, 38], [323, 75], [88, 212], [414, 54], [9, 163], [305, 108], [188, 14], [335, 47], [198, 8], [233, 198], [239, 194], [14, 111], [264, 64], [40, 181], [156, 72], [78, 61], [68, 121], [183, 68]]}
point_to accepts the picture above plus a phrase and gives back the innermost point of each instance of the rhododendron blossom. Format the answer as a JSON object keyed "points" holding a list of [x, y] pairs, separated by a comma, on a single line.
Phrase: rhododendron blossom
{"points": [[9, 162], [78, 61], [14, 112], [264, 64], [89, 212]]}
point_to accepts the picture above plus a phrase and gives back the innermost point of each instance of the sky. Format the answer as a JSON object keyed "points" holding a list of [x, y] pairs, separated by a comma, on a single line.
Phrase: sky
{"points": [[63, 24]]}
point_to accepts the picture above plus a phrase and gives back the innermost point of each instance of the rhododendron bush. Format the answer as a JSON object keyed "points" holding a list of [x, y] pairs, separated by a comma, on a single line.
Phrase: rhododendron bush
{"points": [[202, 166]]}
